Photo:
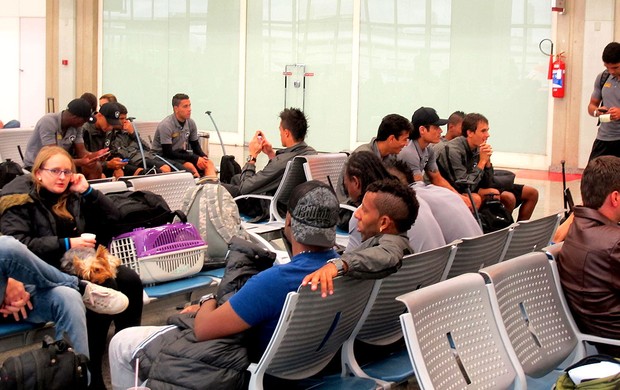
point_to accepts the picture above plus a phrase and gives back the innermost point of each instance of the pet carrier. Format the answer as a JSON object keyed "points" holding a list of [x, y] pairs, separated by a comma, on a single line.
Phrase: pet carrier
{"points": [[162, 253]]}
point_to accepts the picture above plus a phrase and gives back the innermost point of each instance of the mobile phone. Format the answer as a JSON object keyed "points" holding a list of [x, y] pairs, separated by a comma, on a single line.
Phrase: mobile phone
{"points": [[602, 110], [125, 160], [104, 154]]}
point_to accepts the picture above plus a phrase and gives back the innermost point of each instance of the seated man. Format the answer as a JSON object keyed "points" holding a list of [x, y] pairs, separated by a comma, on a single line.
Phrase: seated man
{"points": [[293, 131], [589, 262], [310, 227], [468, 158], [64, 129], [125, 145], [37, 292], [176, 140], [387, 212], [391, 138], [99, 135], [419, 153]]}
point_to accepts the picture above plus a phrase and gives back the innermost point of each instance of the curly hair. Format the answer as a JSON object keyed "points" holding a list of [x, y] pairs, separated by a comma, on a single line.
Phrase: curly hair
{"points": [[367, 167]]}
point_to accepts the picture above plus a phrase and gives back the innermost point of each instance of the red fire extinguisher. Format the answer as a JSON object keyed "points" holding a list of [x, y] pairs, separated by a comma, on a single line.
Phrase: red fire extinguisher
{"points": [[558, 80]]}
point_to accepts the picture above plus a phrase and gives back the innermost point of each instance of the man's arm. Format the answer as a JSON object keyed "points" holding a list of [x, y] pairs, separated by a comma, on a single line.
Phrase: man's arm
{"points": [[213, 323], [377, 258]]}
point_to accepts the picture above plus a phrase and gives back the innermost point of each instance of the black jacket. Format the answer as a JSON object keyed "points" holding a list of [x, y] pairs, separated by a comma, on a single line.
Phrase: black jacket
{"points": [[24, 216]]}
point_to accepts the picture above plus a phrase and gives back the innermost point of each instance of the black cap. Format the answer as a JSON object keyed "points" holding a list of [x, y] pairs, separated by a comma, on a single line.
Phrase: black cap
{"points": [[80, 108], [111, 112], [426, 116]]}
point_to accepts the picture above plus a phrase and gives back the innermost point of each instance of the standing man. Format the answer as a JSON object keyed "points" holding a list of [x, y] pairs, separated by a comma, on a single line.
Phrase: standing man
{"points": [[469, 158], [589, 262], [605, 100], [419, 153], [64, 129], [176, 139]]}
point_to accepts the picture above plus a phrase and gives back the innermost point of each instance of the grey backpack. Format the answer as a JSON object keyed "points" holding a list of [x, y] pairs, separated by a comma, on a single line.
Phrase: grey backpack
{"points": [[211, 208]]}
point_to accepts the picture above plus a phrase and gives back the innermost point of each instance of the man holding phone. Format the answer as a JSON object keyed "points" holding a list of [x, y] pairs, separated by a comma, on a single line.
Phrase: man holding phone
{"points": [[98, 136], [65, 130], [605, 104]]}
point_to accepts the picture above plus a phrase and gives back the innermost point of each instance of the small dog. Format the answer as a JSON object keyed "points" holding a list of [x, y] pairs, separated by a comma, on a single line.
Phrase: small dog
{"points": [[88, 264]]}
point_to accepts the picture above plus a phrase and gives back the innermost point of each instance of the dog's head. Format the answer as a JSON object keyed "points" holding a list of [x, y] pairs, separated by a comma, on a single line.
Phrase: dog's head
{"points": [[97, 267]]}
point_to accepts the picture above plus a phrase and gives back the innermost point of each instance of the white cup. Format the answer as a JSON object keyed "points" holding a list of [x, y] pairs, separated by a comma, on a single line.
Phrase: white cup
{"points": [[605, 118], [139, 388], [88, 236]]}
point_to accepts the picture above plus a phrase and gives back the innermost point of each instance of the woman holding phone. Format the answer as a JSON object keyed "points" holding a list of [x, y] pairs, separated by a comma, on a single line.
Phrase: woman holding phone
{"points": [[48, 211]]}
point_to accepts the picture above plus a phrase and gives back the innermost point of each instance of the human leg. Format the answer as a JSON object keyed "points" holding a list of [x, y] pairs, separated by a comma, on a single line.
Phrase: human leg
{"points": [[121, 350], [128, 282], [529, 196], [18, 262], [62, 305], [509, 201]]}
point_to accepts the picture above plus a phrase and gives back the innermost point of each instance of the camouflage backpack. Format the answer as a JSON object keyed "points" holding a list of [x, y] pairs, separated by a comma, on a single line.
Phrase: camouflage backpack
{"points": [[593, 379], [211, 208]]}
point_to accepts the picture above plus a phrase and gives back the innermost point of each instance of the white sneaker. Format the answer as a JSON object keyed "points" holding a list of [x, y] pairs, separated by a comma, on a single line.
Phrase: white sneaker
{"points": [[104, 300]]}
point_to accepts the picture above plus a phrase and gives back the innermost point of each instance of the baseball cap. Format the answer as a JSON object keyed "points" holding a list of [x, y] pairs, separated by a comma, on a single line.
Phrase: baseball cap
{"points": [[111, 112], [426, 116], [314, 213], [80, 108]]}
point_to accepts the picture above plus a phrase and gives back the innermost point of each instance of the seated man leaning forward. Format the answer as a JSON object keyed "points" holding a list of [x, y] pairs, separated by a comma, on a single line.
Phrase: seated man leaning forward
{"points": [[311, 228], [176, 140], [293, 130], [589, 262]]}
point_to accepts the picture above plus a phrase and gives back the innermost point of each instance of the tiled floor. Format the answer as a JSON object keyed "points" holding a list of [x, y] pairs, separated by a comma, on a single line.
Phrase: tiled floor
{"points": [[549, 186]]}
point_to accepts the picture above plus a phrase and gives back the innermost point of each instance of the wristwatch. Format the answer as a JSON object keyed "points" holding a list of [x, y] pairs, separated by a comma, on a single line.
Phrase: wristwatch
{"points": [[251, 158], [339, 265], [205, 298]]}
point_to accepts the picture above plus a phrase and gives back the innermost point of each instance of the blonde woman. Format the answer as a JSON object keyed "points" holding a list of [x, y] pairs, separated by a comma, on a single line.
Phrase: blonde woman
{"points": [[47, 211]]}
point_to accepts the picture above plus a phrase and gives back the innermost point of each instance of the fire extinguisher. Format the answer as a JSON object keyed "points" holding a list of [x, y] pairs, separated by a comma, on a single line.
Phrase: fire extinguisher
{"points": [[558, 80]]}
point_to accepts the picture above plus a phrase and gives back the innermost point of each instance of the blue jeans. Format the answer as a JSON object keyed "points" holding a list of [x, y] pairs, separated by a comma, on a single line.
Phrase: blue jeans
{"points": [[54, 294]]}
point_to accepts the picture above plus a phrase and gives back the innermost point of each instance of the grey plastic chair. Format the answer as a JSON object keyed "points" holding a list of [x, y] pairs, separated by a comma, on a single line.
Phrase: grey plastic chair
{"points": [[531, 236], [453, 339], [171, 186], [538, 326], [325, 167], [310, 331], [477, 252], [380, 324]]}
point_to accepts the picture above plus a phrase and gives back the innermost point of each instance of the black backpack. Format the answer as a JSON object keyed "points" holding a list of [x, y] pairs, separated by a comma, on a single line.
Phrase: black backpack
{"points": [[141, 209], [9, 170], [228, 168], [55, 366]]}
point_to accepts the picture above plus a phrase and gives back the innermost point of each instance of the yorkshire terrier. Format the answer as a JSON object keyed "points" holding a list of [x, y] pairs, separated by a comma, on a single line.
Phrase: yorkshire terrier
{"points": [[88, 264]]}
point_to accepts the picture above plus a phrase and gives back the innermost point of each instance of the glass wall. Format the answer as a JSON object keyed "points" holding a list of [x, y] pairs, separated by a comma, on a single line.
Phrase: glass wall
{"points": [[153, 49], [363, 60], [474, 56]]}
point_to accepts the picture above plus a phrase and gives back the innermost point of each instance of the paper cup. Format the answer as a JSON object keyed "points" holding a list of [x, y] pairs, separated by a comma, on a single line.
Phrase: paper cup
{"points": [[605, 118], [139, 388], [89, 236]]}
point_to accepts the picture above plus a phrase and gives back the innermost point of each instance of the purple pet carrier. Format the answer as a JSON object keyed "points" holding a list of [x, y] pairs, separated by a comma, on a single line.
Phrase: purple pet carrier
{"points": [[161, 253]]}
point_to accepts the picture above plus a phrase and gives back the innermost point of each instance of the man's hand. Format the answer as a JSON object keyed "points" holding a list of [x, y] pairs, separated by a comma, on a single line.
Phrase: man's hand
{"points": [[485, 153], [116, 163], [256, 143], [16, 300], [323, 276], [191, 309]]}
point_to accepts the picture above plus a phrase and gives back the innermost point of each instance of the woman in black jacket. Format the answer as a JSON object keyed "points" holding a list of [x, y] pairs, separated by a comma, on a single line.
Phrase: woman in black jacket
{"points": [[48, 211]]}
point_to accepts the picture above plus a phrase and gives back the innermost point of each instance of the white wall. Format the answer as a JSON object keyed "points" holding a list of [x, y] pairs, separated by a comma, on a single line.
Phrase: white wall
{"points": [[10, 13]]}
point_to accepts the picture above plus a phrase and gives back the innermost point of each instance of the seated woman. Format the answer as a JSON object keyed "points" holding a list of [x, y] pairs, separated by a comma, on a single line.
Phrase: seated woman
{"points": [[48, 211]]}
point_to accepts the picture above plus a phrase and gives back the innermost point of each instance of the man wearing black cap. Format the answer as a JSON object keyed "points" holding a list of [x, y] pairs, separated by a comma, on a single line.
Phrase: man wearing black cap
{"points": [[64, 129], [99, 136], [419, 154]]}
